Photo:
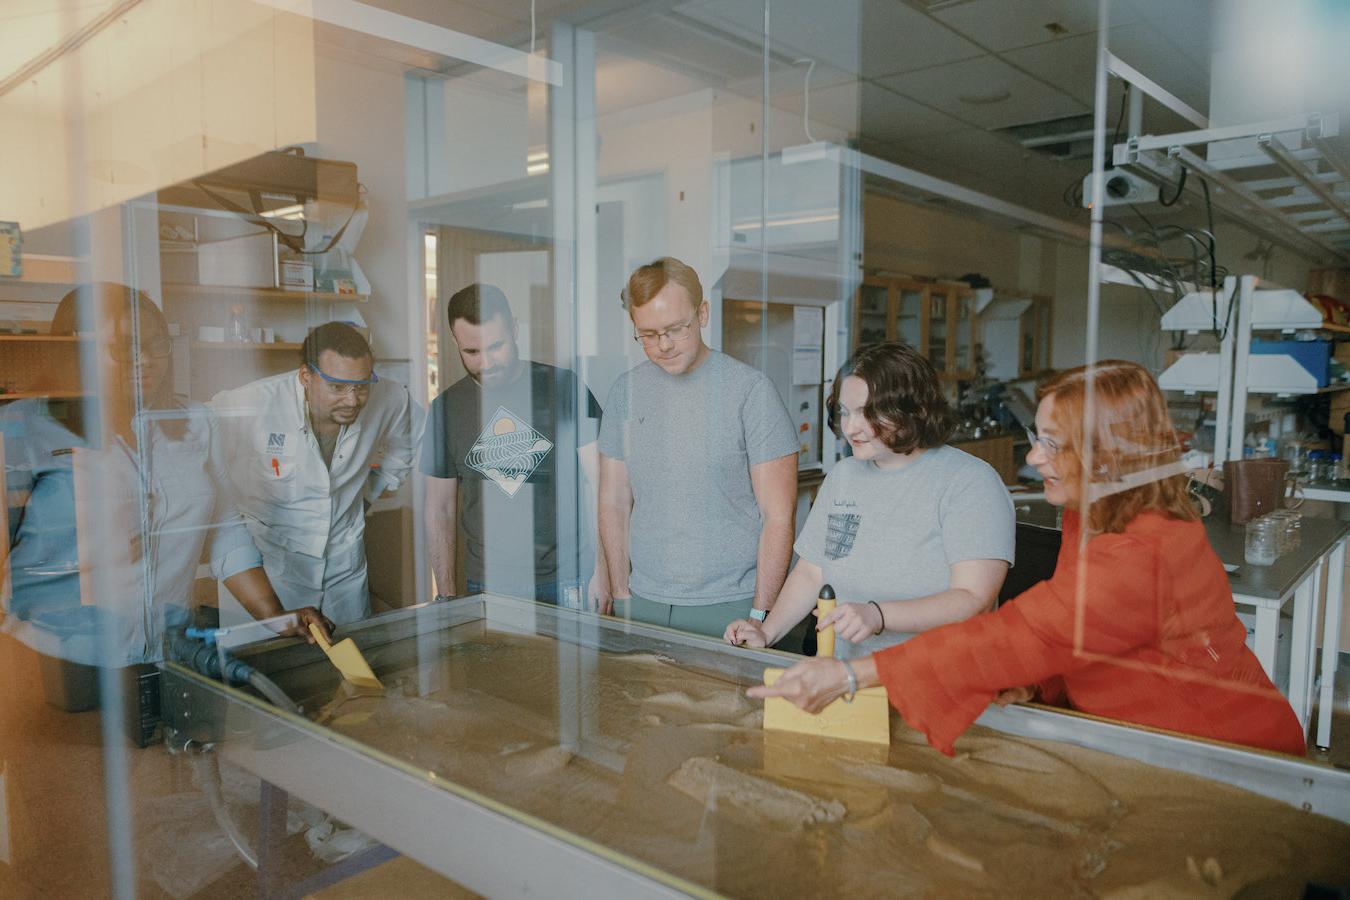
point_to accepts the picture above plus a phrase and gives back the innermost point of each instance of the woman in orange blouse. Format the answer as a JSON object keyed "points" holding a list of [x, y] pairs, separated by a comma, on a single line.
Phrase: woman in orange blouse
{"points": [[1136, 624]]}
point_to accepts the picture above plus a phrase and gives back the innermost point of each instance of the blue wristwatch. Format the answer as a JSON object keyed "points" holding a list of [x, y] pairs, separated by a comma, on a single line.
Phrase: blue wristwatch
{"points": [[759, 615]]}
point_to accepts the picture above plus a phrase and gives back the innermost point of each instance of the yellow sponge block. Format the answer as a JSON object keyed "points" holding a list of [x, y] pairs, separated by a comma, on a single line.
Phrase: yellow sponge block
{"points": [[867, 718]]}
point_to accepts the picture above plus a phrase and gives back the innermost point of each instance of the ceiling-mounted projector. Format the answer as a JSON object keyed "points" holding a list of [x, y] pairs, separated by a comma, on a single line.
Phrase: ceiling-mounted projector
{"points": [[1121, 187]]}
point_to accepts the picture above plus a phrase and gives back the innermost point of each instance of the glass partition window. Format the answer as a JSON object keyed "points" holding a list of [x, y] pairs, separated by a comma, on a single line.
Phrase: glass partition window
{"points": [[488, 394]]}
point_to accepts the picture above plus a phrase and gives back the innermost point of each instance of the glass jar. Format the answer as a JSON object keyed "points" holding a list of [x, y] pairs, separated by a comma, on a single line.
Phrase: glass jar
{"points": [[1283, 535], [1262, 544], [1317, 466], [1293, 525]]}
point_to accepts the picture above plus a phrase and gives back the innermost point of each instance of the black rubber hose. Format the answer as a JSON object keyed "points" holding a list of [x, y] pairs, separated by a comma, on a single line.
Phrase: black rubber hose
{"points": [[205, 659]]}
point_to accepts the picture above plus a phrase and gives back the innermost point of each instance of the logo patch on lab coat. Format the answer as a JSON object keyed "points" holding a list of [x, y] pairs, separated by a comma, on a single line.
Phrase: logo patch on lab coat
{"points": [[275, 444], [507, 451]]}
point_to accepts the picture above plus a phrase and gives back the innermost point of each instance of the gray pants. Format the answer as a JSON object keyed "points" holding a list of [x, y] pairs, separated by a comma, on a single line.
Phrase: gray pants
{"points": [[710, 620]]}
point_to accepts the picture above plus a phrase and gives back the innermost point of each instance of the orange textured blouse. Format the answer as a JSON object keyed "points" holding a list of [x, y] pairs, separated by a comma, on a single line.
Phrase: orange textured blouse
{"points": [[1154, 641]]}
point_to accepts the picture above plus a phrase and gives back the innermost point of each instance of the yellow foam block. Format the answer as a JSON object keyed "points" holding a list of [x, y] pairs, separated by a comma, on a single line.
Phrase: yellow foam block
{"points": [[867, 718], [348, 659]]}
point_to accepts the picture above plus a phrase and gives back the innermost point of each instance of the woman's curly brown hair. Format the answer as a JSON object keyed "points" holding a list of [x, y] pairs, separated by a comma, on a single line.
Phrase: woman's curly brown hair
{"points": [[905, 402]]}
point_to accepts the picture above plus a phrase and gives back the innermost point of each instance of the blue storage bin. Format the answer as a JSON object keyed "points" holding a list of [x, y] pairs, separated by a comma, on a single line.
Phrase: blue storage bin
{"points": [[1315, 356]]}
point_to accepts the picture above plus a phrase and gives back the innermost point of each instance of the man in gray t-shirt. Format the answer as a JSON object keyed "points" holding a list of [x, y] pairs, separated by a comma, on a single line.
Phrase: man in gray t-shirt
{"points": [[698, 470]]}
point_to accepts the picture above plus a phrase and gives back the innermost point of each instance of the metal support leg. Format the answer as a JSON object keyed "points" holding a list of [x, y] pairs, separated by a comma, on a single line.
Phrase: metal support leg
{"points": [[1331, 643], [1267, 637], [271, 838], [1303, 645]]}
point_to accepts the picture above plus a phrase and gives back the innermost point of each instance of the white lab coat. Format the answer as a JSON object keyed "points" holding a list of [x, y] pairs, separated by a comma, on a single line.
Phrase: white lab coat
{"points": [[308, 519], [105, 543]]}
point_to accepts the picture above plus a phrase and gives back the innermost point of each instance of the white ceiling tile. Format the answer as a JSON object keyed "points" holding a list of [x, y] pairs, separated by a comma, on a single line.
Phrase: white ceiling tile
{"points": [[686, 47], [1069, 63], [1188, 25], [802, 28], [897, 38], [1150, 51], [1005, 24], [785, 81], [943, 87], [886, 116], [974, 149], [839, 105]]}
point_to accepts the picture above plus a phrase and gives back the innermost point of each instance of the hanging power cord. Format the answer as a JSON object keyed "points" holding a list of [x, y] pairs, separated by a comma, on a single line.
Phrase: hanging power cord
{"points": [[1181, 186], [806, 97]]}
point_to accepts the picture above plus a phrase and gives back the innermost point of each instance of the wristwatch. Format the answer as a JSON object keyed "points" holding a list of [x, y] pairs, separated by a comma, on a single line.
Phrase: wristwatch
{"points": [[759, 615]]}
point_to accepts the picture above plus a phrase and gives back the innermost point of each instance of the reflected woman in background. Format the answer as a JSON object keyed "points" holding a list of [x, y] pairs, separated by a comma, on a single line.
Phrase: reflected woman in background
{"points": [[1136, 624], [911, 534], [115, 496]]}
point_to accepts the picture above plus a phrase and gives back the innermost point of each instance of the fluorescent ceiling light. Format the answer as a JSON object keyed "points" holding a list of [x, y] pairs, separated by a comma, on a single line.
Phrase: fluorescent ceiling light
{"points": [[795, 220], [294, 211]]}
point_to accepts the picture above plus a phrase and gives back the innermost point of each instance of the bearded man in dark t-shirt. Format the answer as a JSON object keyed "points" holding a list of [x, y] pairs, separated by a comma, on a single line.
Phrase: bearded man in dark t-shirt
{"points": [[498, 464]]}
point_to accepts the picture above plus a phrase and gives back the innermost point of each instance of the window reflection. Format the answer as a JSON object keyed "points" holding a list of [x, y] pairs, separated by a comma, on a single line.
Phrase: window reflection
{"points": [[342, 308]]}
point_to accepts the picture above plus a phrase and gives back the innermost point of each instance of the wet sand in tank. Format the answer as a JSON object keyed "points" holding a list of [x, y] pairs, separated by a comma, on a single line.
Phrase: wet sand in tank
{"points": [[672, 768]]}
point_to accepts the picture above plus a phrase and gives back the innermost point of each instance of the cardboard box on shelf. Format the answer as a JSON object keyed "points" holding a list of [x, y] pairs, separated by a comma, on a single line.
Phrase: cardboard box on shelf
{"points": [[1339, 406], [246, 260], [1331, 282]]}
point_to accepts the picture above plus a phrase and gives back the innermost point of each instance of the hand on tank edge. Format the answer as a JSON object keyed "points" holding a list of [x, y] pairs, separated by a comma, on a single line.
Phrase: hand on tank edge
{"points": [[599, 598], [745, 633], [306, 615], [1015, 695]]}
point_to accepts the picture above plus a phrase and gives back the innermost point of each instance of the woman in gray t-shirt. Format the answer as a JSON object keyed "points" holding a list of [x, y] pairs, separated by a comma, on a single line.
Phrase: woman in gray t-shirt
{"points": [[910, 533]]}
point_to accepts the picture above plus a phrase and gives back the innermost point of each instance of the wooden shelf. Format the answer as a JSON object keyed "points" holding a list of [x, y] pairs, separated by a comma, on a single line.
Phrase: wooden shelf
{"points": [[31, 395], [45, 338], [220, 290], [226, 345]]}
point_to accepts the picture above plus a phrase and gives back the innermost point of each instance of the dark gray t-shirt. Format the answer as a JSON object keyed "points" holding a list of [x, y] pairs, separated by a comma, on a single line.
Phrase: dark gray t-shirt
{"points": [[513, 449], [689, 442], [895, 534]]}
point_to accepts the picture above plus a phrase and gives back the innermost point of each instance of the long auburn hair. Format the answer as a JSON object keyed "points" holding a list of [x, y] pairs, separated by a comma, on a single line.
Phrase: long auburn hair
{"points": [[1132, 435]]}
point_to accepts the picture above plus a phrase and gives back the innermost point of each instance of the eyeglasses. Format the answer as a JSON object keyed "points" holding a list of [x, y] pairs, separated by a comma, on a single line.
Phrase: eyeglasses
{"points": [[1048, 446], [676, 333], [340, 386], [157, 348]]}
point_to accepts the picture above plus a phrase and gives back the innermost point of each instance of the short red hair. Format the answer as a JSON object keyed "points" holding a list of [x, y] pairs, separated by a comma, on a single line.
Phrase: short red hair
{"points": [[1132, 434]]}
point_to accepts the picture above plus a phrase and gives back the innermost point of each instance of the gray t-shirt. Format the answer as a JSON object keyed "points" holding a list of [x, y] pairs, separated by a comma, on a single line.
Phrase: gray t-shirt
{"points": [[894, 534], [689, 442]]}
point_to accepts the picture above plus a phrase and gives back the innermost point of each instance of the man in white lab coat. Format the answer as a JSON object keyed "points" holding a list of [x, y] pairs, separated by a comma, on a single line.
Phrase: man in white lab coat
{"points": [[306, 450]]}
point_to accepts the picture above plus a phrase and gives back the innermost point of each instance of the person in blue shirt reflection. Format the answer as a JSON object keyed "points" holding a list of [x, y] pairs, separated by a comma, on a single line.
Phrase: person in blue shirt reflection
{"points": [[114, 497]]}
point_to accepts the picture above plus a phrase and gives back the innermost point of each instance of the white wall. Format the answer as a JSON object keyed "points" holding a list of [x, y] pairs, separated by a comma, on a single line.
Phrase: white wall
{"points": [[166, 92], [360, 119]]}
